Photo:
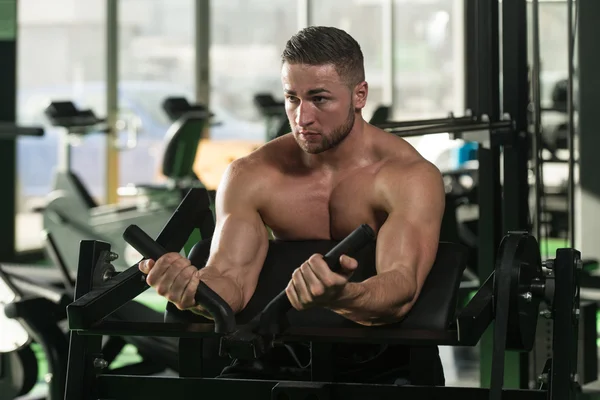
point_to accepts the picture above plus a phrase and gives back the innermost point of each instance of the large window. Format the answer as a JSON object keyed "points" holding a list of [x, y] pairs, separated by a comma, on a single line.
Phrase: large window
{"points": [[247, 38], [246, 41], [60, 55], [553, 45], [156, 61], [363, 20], [427, 66]]}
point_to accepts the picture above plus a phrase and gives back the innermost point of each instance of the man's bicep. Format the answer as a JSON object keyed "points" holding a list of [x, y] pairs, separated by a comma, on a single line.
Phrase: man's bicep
{"points": [[410, 236], [406, 244], [240, 240]]}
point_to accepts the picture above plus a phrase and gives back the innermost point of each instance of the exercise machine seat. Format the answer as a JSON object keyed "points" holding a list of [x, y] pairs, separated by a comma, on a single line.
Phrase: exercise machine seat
{"points": [[183, 139], [434, 310], [181, 148], [380, 115]]}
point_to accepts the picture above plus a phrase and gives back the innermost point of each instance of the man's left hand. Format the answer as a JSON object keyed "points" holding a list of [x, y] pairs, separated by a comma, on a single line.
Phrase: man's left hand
{"points": [[314, 284]]}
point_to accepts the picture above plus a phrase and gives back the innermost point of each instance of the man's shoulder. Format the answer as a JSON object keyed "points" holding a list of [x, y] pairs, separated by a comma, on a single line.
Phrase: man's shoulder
{"points": [[398, 169], [262, 165], [399, 178]]}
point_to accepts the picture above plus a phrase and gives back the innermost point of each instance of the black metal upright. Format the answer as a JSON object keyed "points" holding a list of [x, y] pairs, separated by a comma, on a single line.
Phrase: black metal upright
{"points": [[482, 65], [566, 313], [515, 101], [483, 80], [8, 160]]}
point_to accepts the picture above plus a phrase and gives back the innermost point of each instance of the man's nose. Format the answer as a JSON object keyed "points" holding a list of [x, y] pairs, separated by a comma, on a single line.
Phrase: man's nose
{"points": [[304, 115]]}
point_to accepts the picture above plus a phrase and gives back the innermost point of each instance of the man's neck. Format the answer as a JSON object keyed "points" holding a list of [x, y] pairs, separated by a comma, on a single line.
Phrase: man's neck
{"points": [[348, 153]]}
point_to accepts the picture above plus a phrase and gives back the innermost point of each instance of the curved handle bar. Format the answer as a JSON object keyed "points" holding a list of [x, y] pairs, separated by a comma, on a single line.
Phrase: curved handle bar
{"points": [[217, 307], [276, 309]]}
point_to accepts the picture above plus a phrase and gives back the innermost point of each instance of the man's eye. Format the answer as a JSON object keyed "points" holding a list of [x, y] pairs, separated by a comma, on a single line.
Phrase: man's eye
{"points": [[319, 99], [292, 99]]}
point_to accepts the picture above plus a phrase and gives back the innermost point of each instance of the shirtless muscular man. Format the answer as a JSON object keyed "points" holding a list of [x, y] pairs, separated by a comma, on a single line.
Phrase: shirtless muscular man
{"points": [[333, 172]]}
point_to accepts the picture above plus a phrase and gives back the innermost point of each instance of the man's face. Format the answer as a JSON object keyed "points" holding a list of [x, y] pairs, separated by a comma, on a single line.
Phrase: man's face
{"points": [[319, 105]]}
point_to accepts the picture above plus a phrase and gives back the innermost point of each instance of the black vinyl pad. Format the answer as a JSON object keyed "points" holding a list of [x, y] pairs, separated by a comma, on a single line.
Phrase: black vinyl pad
{"points": [[434, 310]]}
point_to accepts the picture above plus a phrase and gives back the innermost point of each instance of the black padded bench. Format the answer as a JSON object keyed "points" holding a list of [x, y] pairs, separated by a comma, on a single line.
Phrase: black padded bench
{"points": [[430, 322]]}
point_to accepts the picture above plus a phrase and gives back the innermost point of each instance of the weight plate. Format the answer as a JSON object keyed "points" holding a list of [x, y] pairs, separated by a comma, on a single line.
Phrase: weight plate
{"points": [[19, 372], [519, 252]]}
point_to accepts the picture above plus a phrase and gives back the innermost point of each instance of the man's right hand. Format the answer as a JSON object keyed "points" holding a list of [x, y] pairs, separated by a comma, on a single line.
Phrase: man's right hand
{"points": [[174, 277]]}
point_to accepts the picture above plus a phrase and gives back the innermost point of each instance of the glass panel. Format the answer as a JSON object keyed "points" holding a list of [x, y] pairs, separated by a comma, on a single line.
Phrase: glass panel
{"points": [[156, 61], [425, 59], [363, 20], [553, 71], [429, 70], [553, 46], [247, 38], [60, 56]]}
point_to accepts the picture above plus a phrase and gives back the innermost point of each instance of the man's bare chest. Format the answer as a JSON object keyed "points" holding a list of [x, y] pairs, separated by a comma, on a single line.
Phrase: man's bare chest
{"points": [[305, 209]]}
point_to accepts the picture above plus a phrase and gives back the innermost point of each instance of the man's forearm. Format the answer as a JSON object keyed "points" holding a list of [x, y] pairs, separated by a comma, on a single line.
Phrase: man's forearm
{"points": [[379, 300], [225, 286]]}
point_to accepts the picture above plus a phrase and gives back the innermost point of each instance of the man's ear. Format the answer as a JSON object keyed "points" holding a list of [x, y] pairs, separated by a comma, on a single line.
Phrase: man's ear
{"points": [[361, 91]]}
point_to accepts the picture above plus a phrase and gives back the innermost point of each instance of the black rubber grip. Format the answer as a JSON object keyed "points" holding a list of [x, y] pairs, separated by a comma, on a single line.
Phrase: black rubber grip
{"points": [[359, 238], [144, 244], [355, 241], [217, 307]]}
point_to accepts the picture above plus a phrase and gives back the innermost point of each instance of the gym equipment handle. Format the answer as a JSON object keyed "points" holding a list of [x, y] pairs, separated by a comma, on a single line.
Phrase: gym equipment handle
{"points": [[355, 241], [217, 307]]}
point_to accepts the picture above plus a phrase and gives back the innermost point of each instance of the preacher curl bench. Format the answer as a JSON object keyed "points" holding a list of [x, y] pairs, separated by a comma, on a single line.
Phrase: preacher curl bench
{"points": [[510, 298]]}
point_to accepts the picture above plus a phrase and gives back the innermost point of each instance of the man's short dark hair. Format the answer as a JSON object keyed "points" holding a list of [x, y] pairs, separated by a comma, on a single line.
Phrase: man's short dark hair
{"points": [[321, 45]]}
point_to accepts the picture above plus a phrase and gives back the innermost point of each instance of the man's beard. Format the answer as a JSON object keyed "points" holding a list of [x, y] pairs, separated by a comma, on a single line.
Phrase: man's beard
{"points": [[333, 139]]}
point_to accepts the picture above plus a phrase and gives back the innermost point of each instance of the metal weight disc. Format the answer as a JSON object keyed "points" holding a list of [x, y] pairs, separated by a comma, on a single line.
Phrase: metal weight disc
{"points": [[528, 305], [520, 253]]}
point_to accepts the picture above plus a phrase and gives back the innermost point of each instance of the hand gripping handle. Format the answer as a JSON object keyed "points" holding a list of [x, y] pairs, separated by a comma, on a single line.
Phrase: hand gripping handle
{"points": [[217, 307], [351, 244]]}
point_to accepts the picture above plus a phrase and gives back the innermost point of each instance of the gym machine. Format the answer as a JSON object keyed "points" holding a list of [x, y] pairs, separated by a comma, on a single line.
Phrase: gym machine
{"points": [[33, 305], [71, 214], [15, 353], [273, 112], [18, 363], [32, 312], [182, 140], [510, 297]]}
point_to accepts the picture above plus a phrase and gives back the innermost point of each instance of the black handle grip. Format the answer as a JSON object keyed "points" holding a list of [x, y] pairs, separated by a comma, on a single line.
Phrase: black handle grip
{"points": [[144, 244], [217, 307], [276, 309], [11, 131], [359, 238]]}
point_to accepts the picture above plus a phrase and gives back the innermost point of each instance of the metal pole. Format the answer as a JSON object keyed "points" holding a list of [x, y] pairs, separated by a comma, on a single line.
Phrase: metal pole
{"points": [[387, 10], [303, 14], [424, 122], [459, 51], [485, 128], [202, 44], [112, 99], [570, 127], [537, 115]]}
